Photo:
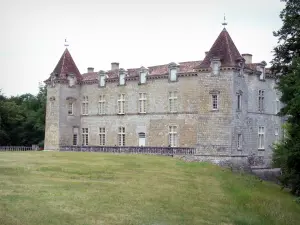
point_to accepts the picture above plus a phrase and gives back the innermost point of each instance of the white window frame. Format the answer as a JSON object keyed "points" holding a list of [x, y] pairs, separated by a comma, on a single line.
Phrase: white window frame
{"points": [[121, 136], [122, 79], [277, 106], [239, 141], [102, 136], [261, 100], [85, 105], [173, 101], [261, 137], [70, 108], [215, 101], [85, 136], [101, 105], [143, 77], [102, 80], [173, 74], [121, 104], [276, 133], [262, 75], [173, 136], [142, 102]]}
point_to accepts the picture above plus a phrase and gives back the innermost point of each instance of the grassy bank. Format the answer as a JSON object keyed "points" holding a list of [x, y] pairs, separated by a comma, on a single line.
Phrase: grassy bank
{"points": [[94, 188]]}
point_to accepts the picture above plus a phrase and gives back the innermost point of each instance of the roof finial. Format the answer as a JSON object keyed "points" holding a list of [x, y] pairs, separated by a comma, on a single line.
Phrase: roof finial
{"points": [[224, 23], [66, 43]]}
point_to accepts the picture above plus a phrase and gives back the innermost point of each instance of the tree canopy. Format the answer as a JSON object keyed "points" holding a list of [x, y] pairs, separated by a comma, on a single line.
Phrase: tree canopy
{"points": [[22, 119], [286, 65]]}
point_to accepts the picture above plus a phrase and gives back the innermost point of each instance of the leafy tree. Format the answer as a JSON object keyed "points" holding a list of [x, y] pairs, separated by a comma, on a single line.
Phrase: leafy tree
{"points": [[286, 64]]}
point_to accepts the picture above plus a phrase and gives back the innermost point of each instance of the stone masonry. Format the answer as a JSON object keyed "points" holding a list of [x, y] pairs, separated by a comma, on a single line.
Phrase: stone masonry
{"points": [[224, 105]]}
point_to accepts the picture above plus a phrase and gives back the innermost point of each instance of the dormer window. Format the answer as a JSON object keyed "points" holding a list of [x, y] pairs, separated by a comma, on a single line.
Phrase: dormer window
{"points": [[102, 77], [143, 75], [71, 79], [173, 72], [122, 77], [261, 68], [215, 66]]}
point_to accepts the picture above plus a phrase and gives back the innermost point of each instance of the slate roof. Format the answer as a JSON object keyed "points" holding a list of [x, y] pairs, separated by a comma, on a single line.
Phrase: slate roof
{"points": [[66, 65], [184, 67], [223, 48]]}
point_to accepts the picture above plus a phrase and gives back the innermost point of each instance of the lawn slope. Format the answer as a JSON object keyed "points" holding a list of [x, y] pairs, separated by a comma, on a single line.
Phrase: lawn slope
{"points": [[46, 188]]}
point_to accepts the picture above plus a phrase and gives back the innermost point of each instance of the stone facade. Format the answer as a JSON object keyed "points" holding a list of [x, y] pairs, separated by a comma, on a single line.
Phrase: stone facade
{"points": [[207, 112]]}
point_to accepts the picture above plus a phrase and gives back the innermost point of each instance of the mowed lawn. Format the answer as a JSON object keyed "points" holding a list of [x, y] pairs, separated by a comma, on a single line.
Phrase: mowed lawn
{"points": [[93, 188]]}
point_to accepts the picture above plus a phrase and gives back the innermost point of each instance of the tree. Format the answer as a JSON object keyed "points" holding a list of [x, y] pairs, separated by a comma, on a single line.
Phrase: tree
{"points": [[286, 65]]}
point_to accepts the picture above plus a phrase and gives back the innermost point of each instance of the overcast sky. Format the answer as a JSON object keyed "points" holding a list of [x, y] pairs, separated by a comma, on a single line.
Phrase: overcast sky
{"points": [[132, 32]]}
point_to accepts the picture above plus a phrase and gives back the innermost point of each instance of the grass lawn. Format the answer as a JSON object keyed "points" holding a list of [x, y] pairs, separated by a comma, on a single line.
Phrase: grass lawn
{"points": [[95, 188]]}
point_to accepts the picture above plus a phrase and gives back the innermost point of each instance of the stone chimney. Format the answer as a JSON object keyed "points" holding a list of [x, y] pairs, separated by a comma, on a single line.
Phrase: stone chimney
{"points": [[90, 69], [247, 57], [114, 66]]}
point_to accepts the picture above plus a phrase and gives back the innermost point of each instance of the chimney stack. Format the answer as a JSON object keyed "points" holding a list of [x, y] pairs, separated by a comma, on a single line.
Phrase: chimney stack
{"points": [[247, 57], [114, 66], [206, 53], [90, 69]]}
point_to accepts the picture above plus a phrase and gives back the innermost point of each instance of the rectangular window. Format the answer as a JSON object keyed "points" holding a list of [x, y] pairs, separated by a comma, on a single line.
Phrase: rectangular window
{"points": [[277, 106], [173, 136], [51, 110], [173, 101], [143, 77], [122, 79], [75, 136], [101, 105], [70, 108], [121, 104], [85, 136], [121, 136], [261, 99], [239, 102], [239, 141], [142, 102], [85, 105], [102, 136], [173, 75], [214, 102], [261, 137], [102, 80]]}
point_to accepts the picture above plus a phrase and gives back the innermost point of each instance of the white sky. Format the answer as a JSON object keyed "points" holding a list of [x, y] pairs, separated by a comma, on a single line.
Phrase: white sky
{"points": [[131, 32]]}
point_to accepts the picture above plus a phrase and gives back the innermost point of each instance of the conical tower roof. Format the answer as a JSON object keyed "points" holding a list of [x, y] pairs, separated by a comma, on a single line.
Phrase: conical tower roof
{"points": [[66, 65], [224, 49]]}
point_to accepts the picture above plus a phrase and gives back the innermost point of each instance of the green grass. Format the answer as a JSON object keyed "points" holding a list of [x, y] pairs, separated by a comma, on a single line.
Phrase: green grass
{"points": [[92, 188]]}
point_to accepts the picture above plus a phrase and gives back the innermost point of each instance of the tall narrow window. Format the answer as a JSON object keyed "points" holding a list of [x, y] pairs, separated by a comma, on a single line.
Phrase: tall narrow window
{"points": [[51, 107], [214, 101], [70, 108], [85, 136], [173, 74], [121, 104], [75, 136], [173, 101], [142, 102], [261, 99], [102, 136], [277, 106], [261, 137], [143, 77], [121, 136], [85, 105], [101, 105], [173, 136], [239, 141], [102, 80], [239, 102], [122, 79]]}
